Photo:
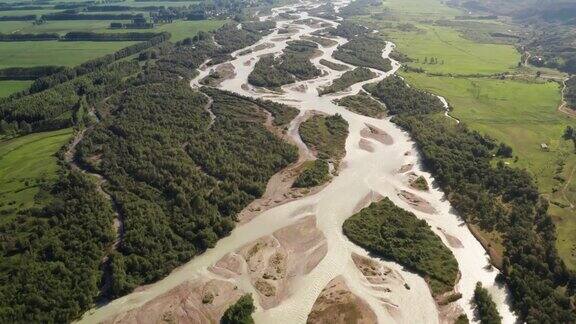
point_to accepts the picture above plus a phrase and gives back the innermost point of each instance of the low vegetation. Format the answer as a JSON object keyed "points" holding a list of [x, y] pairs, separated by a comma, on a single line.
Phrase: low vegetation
{"points": [[393, 233], [315, 173], [363, 104], [485, 306], [325, 135], [364, 51], [294, 64], [333, 66], [420, 183], [347, 79], [401, 99]]}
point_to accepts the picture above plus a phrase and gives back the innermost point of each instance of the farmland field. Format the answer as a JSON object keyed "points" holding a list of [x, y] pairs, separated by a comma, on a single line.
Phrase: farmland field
{"points": [[23, 54], [7, 87], [25, 162]]}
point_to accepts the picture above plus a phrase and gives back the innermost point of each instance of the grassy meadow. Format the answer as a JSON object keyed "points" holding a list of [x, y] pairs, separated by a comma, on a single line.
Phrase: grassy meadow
{"points": [[520, 111], [453, 53], [25, 162], [8, 87]]}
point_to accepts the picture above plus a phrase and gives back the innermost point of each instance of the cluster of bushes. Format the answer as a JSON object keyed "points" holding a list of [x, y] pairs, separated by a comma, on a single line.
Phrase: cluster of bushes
{"points": [[18, 18], [65, 15], [364, 51], [231, 38], [393, 233], [334, 66], [402, 99], [294, 64], [326, 135], [314, 174], [108, 37], [347, 79], [15, 37], [240, 312], [28, 73], [363, 104], [485, 306], [359, 8]]}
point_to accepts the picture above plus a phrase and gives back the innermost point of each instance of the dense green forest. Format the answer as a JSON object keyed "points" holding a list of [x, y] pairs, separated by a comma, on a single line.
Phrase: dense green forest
{"points": [[401, 99], [51, 256], [363, 104], [393, 233], [485, 306], [347, 79], [294, 64], [326, 135]]}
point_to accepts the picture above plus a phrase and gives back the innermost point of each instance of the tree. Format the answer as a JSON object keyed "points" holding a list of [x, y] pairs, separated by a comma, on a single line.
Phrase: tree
{"points": [[504, 151], [487, 312], [240, 312]]}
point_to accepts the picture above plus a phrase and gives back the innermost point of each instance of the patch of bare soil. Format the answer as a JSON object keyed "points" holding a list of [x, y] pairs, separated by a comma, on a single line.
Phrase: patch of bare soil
{"points": [[338, 305], [272, 262], [366, 145], [452, 240], [256, 48], [372, 197], [300, 88], [324, 42], [405, 168], [377, 134], [189, 302], [416, 202], [219, 74]]}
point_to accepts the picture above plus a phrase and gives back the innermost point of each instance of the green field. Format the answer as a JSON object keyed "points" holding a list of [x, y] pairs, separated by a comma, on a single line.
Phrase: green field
{"points": [[183, 28], [179, 29], [24, 54], [8, 87], [453, 53], [60, 27], [24, 163]]}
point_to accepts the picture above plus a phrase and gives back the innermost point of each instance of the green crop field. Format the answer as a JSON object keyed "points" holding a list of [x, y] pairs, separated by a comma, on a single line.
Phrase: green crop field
{"points": [[60, 26], [182, 29], [54, 53], [25, 162], [452, 52], [8, 87]]}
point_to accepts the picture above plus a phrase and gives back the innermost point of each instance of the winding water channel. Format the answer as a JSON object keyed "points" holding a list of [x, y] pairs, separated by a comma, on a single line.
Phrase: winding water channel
{"points": [[363, 173]]}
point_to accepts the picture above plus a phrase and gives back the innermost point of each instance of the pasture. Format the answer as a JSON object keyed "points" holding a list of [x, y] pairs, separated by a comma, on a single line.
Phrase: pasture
{"points": [[8, 87], [25, 163]]}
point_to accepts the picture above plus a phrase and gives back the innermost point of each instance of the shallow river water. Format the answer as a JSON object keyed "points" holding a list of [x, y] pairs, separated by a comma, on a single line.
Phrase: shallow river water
{"points": [[362, 173]]}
